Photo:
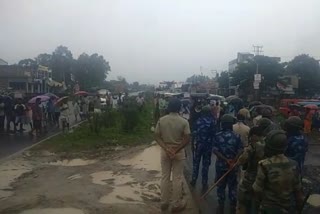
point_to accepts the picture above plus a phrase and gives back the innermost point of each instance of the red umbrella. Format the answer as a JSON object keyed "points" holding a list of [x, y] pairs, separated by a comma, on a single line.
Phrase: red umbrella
{"points": [[81, 93], [311, 106], [61, 100], [42, 97]]}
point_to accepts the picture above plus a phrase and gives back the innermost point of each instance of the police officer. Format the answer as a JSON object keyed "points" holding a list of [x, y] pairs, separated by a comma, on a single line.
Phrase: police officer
{"points": [[205, 130], [266, 125], [297, 143], [227, 147], [172, 134], [249, 159], [277, 178]]}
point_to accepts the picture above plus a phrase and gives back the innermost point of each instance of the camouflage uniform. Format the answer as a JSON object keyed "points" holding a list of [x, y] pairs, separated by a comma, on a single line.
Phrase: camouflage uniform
{"points": [[229, 145], [251, 156], [205, 130], [277, 178], [297, 148]]}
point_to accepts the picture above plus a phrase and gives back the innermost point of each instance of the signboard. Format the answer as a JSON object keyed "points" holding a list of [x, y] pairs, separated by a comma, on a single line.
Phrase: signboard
{"points": [[256, 85], [257, 77]]}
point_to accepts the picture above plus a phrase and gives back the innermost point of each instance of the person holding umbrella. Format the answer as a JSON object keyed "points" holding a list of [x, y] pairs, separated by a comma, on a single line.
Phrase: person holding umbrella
{"points": [[36, 117]]}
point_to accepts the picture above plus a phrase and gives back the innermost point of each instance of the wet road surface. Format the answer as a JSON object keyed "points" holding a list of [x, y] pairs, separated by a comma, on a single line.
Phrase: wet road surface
{"points": [[12, 143]]}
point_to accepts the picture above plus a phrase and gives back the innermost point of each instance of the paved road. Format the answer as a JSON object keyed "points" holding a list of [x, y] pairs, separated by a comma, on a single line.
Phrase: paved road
{"points": [[10, 144]]}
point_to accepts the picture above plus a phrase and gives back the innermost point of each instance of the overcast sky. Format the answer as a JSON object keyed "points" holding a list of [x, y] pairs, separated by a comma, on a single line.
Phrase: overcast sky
{"points": [[154, 40]]}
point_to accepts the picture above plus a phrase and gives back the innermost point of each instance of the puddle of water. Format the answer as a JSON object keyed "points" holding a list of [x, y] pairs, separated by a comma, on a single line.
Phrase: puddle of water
{"points": [[148, 159], [107, 177], [314, 200], [10, 171], [53, 211], [73, 162]]}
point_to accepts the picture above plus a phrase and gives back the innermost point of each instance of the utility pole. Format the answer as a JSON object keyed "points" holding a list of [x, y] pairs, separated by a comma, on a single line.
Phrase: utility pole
{"points": [[257, 49]]}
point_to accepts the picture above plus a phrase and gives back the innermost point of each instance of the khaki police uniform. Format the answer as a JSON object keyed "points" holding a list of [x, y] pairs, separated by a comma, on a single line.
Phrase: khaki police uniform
{"points": [[172, 128]]}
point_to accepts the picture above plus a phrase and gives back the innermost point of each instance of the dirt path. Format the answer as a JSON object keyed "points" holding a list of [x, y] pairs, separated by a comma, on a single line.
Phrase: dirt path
{"points": [[125, 182]]}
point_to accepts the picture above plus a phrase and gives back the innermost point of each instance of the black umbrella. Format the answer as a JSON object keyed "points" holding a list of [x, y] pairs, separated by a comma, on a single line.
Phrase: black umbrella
{"points": [[235, 101], [254, 103]]}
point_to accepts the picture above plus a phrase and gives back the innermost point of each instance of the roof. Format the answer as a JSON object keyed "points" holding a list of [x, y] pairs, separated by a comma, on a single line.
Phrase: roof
{"points": [[2, 62]]}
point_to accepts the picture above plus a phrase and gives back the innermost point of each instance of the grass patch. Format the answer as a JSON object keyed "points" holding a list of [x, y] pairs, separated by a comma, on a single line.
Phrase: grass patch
{"points": [[111, 128]]}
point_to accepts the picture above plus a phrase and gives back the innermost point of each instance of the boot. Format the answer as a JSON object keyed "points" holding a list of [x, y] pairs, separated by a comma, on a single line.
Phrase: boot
{"points": [[220, 209]]}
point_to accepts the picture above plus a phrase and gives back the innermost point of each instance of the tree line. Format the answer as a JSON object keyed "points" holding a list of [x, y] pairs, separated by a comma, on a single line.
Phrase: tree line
{"points": [[88, 70], [304, 67]]}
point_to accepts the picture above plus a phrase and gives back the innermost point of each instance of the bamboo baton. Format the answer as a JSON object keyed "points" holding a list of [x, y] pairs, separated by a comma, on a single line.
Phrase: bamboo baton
{"points": [[218, 181]]}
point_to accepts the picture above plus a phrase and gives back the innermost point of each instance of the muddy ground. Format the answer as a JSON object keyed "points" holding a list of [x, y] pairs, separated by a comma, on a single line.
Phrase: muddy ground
{"points": [[123, 180]]}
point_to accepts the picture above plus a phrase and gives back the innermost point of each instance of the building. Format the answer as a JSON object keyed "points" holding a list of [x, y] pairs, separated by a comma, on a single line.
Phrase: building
{"points": [[2, 62], [241, 58], [26, 80]]}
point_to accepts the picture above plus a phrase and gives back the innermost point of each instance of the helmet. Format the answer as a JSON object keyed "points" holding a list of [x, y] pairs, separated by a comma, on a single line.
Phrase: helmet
{"points": [[227, 118], [266, 112], [206, 109], [276, 141], [293, 123], [263, 123]]}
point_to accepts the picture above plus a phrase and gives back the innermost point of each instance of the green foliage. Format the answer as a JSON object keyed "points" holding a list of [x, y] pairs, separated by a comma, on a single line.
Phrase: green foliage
{"points": [[197, 79], [268, 67], [308, 69], [91, 71], [223, 79], [30, 63]]}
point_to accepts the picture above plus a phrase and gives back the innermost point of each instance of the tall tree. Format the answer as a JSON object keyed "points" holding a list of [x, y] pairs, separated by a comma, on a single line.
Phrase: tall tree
{"points": [[269, 68], [197, 79], [308, 70], [62, 63], [44, 59], [91, 71], [223, 79], [30, 63]]}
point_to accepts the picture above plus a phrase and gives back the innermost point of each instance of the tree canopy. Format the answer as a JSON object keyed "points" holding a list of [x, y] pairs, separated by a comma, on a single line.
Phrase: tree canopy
{"points": [[89, 70], [197, 79], [308, 70]]}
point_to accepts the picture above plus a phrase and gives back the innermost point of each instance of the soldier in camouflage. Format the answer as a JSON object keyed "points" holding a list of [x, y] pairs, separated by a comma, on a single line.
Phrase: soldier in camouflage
{"points": [[250, 158], [227, 146], [205, 130], [297, 143], [277, 178]]}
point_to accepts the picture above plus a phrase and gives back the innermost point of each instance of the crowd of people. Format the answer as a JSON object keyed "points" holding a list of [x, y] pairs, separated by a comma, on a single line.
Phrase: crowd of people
{"points": [[261, 164]]}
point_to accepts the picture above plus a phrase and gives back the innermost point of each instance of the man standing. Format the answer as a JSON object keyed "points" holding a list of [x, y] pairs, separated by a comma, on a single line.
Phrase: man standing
{"points": [[172, 134], [36, 117], [277, 178], [249, 159], [297, 143], [227, 146], [241, 129], [19, 110], [2, 115], [205, 130]]}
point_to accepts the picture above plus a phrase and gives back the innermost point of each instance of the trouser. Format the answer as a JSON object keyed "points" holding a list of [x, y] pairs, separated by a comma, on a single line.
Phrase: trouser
{"points": [[10, 119], [203, 152], [175, 166], [231, 181], [2, 123]]}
